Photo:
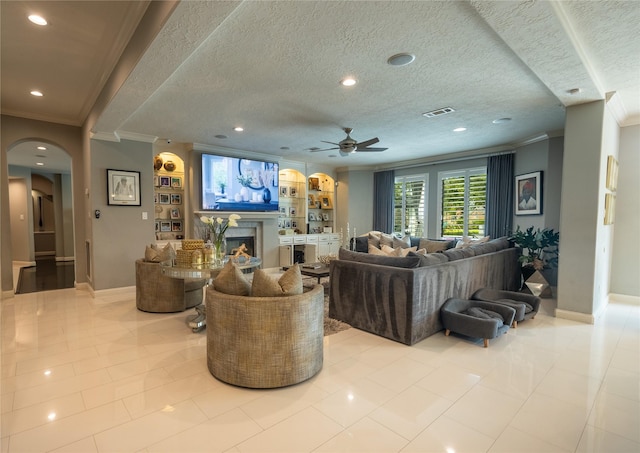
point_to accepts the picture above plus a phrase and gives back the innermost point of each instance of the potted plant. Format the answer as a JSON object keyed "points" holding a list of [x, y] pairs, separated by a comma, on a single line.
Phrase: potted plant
{"points": [[540, 249]]}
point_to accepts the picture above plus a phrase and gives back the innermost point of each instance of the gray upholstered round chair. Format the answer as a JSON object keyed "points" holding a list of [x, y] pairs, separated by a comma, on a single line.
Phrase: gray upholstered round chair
{"points": [[157, 293], [265, 342]]}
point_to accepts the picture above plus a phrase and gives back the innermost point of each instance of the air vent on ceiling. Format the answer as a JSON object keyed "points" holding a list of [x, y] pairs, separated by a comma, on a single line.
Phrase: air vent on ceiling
{"points": [[438, 112]]}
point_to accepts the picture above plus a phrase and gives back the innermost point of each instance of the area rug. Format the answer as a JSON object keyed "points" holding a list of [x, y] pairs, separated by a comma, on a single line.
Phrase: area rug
{"points": [[331, 326]]}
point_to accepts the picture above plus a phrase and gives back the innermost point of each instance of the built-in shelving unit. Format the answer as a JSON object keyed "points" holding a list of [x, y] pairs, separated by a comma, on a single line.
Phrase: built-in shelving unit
{"points": [[169, 202], [320, 200], [291, 202]]}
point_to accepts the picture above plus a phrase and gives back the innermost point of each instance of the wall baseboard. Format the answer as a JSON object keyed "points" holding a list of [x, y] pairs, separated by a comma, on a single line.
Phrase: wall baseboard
{"points": [[624, 299], [584, 318], [65, 258], [107, 296]]}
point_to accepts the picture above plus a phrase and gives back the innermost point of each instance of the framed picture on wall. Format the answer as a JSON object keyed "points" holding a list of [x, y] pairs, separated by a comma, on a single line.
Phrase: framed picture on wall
{"points": [[528, 194], [163, 198], [176, 198], [165, 226], [123, 188], [176, 182], [176, 225]]}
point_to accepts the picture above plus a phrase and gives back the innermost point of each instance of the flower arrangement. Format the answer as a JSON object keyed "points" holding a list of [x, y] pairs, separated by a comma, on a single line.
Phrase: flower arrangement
{"points": [[217, 228], [245, 180], [541, 247]]}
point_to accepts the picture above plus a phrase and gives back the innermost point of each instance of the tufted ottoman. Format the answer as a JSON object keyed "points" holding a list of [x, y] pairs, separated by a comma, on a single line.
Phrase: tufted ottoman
{"points": [[477, 319]]}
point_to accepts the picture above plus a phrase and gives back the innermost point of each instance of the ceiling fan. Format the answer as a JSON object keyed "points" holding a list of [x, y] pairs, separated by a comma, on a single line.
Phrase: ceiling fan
{"points": [[349, 145]]}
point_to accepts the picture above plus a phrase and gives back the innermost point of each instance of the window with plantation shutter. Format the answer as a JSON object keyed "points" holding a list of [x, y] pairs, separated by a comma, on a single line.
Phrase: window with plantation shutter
{"points": [[410, 198], [462, 199]]}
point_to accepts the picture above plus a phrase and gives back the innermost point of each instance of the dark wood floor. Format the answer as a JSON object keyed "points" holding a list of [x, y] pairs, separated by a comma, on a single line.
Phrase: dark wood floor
{"points": [[46, 275]]}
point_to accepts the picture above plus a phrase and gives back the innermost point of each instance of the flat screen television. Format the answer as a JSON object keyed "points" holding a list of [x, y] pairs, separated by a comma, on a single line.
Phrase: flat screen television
{"points": [[238, 185]]}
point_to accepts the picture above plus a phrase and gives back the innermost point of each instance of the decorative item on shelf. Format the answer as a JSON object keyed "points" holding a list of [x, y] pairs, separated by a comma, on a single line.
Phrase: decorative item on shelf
{"points": [[541, 259], [157, 162], [169, 165], [207, 254], [266, 195], [217, 229]]}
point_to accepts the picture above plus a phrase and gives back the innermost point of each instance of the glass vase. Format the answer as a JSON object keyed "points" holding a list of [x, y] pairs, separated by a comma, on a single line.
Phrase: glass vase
{"points": [[219, 252]]}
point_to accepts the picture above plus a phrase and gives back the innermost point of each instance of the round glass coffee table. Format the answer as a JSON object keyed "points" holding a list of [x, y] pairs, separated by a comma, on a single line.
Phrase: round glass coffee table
{"points": [[198, 321]]}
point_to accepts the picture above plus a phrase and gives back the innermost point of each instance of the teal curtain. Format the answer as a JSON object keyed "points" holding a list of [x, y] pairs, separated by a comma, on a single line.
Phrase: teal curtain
{"points": [[383, 185], [499, 210]]}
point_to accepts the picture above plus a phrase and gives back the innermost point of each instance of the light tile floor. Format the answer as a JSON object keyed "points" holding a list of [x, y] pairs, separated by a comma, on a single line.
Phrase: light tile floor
{"points": [[89, 375]]}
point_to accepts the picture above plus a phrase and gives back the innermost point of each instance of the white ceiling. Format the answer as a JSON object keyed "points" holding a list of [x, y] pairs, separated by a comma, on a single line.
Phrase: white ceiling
{"points": [[274, 67]]}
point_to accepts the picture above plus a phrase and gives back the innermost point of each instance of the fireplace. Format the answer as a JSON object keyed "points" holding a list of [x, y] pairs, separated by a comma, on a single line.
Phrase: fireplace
{"points": [[237, 241]]}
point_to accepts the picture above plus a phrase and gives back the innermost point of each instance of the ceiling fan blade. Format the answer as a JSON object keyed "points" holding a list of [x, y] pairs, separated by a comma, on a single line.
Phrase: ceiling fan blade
{"points": [[331, 143], [362, 150], [368, 142], [325, 149]]}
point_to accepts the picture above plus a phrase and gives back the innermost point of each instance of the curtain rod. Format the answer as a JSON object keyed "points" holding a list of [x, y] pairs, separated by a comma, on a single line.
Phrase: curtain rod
{"points": [[446, 161]]}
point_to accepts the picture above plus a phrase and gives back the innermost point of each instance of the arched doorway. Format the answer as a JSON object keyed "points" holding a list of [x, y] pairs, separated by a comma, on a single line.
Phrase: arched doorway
{"points": [[41, 216]]}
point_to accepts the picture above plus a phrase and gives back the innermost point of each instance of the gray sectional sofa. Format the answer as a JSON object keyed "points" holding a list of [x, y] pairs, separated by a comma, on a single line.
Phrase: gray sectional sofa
{"points": [[400, 297]]}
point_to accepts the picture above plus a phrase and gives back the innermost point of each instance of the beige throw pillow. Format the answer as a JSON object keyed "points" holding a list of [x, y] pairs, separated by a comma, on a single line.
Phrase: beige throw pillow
{"points": [[398, 251], [374, 240], [386, 239], [230, 280], [468, 242], [405, 242], [289, 284], [153, 254], [375, 250], [434, 246]]}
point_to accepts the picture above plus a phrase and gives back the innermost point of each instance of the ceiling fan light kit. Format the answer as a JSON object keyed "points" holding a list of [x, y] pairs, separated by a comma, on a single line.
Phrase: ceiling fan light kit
{"points": [[350, 146]]}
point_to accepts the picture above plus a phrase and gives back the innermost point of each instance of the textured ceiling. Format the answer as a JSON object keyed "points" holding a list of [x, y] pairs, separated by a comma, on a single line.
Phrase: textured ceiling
{"points": [[274, 67]]}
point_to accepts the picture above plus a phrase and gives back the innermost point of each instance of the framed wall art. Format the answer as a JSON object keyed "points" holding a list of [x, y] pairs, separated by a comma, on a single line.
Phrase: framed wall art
{"points": [[176, 198], [528, 194], [326, 202], [123, 188], [163, 198], [176, 182]]}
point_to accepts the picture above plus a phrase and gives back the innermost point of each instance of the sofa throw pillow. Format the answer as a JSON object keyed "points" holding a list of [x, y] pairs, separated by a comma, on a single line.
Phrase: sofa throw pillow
{"points": [[468, 242], [374, 239], [404, 242], [436, 245], [397, 251], [375, 250], [430, 258], [155, 255], [289, 284], [386, 239], [230, 280], [394, 261]]}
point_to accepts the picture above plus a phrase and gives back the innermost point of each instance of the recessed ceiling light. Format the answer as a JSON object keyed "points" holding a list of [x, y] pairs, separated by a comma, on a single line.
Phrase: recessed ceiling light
{"points": [[401, 59], [460, 129], [348, 82], [41, 156], [37, 93], [501, 120], [238, 129], [38, 20], [220, 136], [41, 164], [284, 148], [573, 91], [42, 148]]}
